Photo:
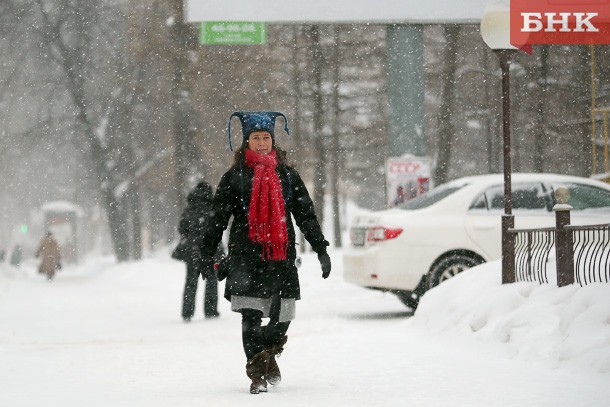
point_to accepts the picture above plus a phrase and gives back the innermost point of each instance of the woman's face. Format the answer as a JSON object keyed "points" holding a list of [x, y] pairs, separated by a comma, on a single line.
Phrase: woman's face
{"points": [[261, 142]]}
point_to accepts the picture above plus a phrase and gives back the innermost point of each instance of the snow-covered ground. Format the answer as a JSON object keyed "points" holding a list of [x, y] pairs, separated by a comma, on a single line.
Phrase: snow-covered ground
{"points": [[104, 334]]}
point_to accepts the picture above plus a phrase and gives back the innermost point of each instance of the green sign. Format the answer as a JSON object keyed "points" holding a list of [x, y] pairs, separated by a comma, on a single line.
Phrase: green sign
{"points": [[233, 33]]}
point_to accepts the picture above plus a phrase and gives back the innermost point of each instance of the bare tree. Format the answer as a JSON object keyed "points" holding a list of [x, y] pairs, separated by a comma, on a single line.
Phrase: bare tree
{"points": [[318, 117], [85, 40], [336, 145], [183, 37]]}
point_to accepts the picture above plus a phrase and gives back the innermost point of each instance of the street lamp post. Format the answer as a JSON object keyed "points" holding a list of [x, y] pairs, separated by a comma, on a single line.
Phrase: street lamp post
{"points": [[495, 30]]}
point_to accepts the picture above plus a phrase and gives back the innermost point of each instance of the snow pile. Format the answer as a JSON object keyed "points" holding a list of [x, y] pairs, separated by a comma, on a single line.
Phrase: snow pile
{"points": [[541, 322]]}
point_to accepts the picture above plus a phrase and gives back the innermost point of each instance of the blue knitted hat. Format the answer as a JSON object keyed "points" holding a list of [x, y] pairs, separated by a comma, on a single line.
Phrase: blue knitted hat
{"points": [[257, 121]]}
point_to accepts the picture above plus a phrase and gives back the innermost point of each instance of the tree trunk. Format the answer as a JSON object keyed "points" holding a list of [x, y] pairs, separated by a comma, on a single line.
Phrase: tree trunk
{"points": [[446, 129], [117, 226], [539, 133], [298, 139], [136, 223], [182, 107], [320, 172], [116, 218], [336, 145]]}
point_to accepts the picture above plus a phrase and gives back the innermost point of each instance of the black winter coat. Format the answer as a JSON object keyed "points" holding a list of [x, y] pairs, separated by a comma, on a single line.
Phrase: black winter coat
{"points": [[248, 274], [199, 205]]}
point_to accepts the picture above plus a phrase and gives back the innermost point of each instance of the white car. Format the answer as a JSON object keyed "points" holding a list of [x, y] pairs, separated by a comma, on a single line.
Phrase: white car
{"points": [[414, 247]]}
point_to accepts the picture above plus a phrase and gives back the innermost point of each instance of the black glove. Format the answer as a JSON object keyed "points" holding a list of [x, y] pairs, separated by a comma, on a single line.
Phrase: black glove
{"points": [[222, 270], [325, 263]]}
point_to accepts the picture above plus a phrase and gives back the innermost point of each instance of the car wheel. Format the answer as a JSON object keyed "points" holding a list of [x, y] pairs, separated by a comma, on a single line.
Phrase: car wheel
{"points": [[450, 267]]}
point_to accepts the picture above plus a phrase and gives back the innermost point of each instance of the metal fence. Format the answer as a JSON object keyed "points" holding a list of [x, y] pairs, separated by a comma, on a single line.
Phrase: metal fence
{"points": [[582, 253], [591, 247], [532, 249]]}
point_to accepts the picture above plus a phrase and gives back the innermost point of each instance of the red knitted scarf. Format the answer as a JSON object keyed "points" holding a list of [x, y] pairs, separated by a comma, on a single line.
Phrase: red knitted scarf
{"points": [[267, 215]]}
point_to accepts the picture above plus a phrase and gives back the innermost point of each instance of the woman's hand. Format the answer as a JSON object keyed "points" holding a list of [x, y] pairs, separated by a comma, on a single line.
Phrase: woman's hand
{"points": [[324, 259]]}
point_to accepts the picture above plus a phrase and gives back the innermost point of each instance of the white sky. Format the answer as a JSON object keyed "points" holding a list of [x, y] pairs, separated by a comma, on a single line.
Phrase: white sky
{"points": [[334, 11], [107, 335]]}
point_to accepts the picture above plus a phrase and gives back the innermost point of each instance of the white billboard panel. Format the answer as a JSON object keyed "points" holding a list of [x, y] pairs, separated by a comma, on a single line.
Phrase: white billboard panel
{"points": [[337, 11]]}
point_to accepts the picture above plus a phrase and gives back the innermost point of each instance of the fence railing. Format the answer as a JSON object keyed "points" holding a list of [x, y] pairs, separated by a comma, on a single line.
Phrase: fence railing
{"points": [[582, 253], [591, 253], [532, 249]]}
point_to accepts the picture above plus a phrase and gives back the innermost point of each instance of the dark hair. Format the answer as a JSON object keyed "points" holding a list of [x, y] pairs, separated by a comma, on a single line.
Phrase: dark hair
{"points": [[240, 153]]}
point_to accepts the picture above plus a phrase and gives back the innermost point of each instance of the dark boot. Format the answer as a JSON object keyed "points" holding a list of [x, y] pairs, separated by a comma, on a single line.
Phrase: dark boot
{"points": [[274, 376], [256, 369]]}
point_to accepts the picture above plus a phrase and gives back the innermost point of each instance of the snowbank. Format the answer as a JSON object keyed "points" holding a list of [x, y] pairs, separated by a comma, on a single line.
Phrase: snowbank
{"points": [[562, 326]]}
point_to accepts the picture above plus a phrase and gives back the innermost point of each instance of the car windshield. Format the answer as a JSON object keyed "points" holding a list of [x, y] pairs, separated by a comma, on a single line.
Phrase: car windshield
{"points": [[431, 197]]}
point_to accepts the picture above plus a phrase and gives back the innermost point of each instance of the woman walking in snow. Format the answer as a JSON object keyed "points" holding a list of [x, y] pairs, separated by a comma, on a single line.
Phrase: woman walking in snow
{"points": [[261, 191]]}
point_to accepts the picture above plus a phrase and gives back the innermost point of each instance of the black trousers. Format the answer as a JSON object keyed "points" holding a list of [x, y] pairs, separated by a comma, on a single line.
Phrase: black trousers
{"points": [[210, 297], [256, 337]]}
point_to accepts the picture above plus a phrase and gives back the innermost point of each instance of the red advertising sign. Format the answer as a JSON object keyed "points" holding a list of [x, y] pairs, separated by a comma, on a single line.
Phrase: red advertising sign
{"points": [[559, 22], [406, 177]]}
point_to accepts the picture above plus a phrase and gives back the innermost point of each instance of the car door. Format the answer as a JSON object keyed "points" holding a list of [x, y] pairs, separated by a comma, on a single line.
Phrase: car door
{"points": [[531, 206]]}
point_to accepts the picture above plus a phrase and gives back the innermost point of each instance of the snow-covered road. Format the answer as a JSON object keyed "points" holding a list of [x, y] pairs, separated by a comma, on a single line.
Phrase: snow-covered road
{"points": [[111, 335]]}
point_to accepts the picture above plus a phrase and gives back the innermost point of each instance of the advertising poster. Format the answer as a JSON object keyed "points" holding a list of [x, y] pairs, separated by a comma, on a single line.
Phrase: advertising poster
{"points": [[406, 177]]}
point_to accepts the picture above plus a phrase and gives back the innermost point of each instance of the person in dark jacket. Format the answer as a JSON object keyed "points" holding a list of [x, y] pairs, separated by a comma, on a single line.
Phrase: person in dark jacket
{"points": [[199, 202], [261, 191]]}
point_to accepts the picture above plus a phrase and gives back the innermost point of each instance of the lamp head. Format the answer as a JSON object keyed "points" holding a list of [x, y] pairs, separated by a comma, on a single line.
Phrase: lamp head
{"points": [[495, 25]]}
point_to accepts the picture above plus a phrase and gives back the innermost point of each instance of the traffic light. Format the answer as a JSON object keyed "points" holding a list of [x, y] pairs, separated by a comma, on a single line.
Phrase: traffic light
{"points": [[24, 228]]}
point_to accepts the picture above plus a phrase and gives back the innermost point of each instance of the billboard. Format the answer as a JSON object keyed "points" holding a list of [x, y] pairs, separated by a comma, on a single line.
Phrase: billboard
{"points": [[406, 177], [336, 11]]}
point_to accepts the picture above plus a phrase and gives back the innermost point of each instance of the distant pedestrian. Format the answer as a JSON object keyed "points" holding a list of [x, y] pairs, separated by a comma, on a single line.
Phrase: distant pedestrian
{"points": [[48, 251], [199, 202], [262, 193]]}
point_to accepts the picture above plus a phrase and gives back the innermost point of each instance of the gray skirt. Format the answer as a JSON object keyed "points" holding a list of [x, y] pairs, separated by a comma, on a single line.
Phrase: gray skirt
{"points": [[287, 306]]}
